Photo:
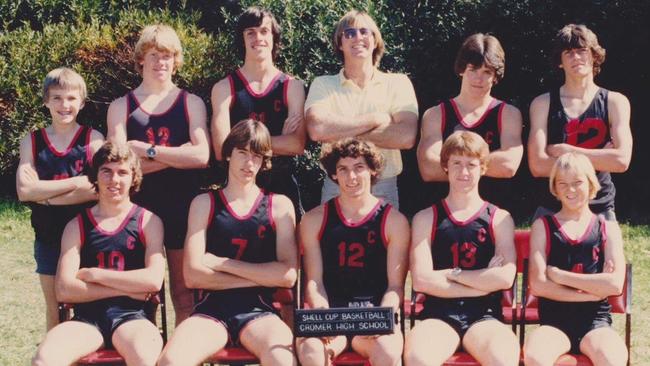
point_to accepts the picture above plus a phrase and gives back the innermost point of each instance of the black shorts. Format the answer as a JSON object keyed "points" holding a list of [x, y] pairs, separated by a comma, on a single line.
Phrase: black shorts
{"points": [[576, 321], [462, 314], [107, 316], [232, 312]]}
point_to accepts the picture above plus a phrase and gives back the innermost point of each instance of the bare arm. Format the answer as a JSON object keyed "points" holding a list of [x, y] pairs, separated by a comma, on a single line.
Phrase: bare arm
{"points": [[540, 284], [293, 138], [197, 274], [280, 273], [425, 278], [398, 234], [500, 274], [428, 152], [325, 126], [147, 279], [608, 283], [220, 122], [505, 161], [315, 294], [400, 133], [539, 161]]}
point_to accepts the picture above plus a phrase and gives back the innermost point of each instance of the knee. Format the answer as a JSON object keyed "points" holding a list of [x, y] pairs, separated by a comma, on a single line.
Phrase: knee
{"points": [[414, 358], [503, 352], [534, 358], [384, 356], [311, 351], [603, 356], [278, 355], [44, 358]]}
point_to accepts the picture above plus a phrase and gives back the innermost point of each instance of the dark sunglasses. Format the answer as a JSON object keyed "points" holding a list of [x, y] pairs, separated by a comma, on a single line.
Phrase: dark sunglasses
{"points": [[350, 33]]}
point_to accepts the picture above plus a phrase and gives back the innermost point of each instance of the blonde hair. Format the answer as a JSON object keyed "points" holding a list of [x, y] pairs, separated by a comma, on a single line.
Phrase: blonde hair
{"points": [[579, 164], [162, 38], [350, 19], [465, 143], [64, 78]]}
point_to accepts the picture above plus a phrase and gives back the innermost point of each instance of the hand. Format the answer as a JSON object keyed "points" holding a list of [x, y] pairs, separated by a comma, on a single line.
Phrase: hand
{"points": [[88, 274], [552, 273], [213, 262], [609, 145], [291, 124], [557, 150], [139, 147], [81, 182], [496, 261], [609, 266], [141, 296], [29, 174], [382, 119]]}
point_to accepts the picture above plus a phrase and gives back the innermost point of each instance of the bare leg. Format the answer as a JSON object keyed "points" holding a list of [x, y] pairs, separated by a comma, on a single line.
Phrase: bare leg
{"points": [[62, 345], [194, 340], [492, 343], [604, 347], [51, 305], [314, 352], [544, 345], [181, 295], [384, 350], [270, 339], [431, 342], [138, 341]]}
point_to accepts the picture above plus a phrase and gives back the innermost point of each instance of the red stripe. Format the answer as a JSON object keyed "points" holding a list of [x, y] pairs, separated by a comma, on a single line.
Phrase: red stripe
{"points": [[251, 91], [383, 225], [548, 236], [443, 118], [67, 150], [582, 237], [89, 155], [33, 134], [465, 222], [285, 92], [141, 235], [137, 102], [491, 226], [434, 224], [128, 108], [499, 118], [82, 234], [271, 220], [250, 212], [232, 91], [479, 121], [349, 223], [603, 233], [185, 108], [324, 220], [119, 228], [212, 204]]}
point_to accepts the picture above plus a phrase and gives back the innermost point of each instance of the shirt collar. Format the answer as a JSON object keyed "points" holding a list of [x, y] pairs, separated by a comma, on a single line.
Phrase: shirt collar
{"points": [[377, 77]]}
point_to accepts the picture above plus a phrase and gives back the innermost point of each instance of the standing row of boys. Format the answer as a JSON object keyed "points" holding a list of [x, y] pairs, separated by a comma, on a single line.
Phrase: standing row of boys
{"points": [[239, 244]]}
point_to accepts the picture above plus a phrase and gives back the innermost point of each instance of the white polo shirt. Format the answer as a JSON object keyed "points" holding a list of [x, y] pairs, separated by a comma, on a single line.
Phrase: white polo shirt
{"points": [[386, 92]]}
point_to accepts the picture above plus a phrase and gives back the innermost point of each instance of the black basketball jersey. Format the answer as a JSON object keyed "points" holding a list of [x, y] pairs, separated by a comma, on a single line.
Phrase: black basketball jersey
{"points": [[269, 107], [250, 238], [354, 256], [488, 126], [583, 255], [169, 128], [121, 249], [590, 131], [465, 244], [49, 221]]}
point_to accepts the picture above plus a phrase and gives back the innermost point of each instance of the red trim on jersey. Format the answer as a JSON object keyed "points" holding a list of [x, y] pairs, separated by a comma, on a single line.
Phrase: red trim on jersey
{"points": [[137, 102], [128, 109], [233, 96], [33, 135], [271, 210], [603, 233], [141, 235], [185, 108], [582, 237], [67, 150], [347, 222], [480, 120], [118, 229], [548, 237], [212, 205], [491, 226], [323, 222], [89, 155], [443, 118], [82, 234], [251, 91], [500, 117], [434, 224], [285, 92], [249, 213], [463, 223], [383, 225]]}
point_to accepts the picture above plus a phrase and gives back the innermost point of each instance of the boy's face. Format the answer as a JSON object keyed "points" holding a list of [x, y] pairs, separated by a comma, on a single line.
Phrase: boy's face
{"points": [[64, 104], [577, 61], [158, 64], [259, 40], [464, 172], [114, 181], [244, 164], [353, 176], [478, 80]]}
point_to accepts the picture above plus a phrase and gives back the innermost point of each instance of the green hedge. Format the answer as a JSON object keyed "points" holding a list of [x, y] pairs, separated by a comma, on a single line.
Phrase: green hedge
{"points": [[96, 37]]}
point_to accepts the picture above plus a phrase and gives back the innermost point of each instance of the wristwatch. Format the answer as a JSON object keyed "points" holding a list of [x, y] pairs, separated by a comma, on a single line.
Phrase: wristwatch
{"points": [[151, 152]]}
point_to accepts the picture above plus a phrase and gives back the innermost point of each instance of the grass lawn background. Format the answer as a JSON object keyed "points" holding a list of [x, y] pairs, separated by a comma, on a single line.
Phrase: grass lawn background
{"points": [[22, 320]]}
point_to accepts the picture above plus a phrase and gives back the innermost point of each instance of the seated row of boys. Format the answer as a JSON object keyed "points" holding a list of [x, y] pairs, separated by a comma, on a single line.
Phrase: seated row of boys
{"points": [[240, 246]]}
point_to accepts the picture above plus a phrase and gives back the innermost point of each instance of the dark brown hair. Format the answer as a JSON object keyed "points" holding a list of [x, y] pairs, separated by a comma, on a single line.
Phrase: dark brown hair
{"points": [[116, 153], [253, 17], [352, 148], [249, 133], [573, 36], [481, 49]]}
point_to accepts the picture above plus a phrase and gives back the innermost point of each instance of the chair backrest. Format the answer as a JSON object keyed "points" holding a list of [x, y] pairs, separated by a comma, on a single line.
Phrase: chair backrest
{"points": [[622, 304]]}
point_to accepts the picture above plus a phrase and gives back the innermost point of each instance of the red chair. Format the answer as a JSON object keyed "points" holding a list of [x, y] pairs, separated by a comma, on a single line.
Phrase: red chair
{"points": [[111, 356]]}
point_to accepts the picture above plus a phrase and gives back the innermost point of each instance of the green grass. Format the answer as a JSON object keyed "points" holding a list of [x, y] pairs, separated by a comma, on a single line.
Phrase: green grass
{"points": [[22, 320]]}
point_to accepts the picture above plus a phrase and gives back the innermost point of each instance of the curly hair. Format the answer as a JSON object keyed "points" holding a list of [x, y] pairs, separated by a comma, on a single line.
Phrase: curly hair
{"points": [[352, 148]]}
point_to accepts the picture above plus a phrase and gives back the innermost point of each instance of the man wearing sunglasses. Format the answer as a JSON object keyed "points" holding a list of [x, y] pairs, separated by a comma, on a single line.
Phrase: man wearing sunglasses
{"points": [[363, 102]]}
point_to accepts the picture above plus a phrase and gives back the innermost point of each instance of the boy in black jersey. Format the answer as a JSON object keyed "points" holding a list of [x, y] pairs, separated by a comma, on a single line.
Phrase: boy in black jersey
{"points": [[258, 90], [355, 253], [480, 64], [166, 127], [240, 246], [580, 117], [462, 256], [51, 174], [577, 261], [111, 262]]}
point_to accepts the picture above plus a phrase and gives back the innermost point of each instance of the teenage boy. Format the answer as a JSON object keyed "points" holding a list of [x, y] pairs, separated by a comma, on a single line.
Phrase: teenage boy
{"points": [[580, 117], [355, 254], [258, 90], [51, 174], [363, 102]]}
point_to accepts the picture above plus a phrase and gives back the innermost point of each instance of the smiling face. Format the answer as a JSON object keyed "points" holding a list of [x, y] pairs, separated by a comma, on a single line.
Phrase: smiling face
{"points": [[258, 41], [353, 176], [114, 181], [357, 41], [158, 64], [64, 104], [464, 172], [572, 189]]}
